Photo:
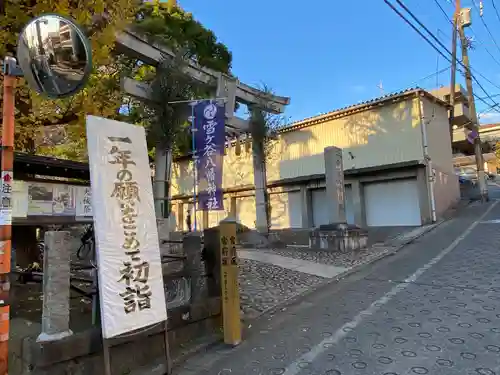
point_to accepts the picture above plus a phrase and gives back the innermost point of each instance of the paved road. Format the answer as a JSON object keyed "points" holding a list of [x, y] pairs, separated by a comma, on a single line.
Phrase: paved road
{"points": [[433, 308], [494, 190]]}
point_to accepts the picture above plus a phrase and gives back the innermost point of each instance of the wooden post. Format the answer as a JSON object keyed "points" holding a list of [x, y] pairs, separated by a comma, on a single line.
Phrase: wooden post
{"points": [[229, 282]]}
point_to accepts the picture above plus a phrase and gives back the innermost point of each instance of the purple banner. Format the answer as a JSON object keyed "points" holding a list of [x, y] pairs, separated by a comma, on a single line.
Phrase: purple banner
{"points": [[209, 141]]}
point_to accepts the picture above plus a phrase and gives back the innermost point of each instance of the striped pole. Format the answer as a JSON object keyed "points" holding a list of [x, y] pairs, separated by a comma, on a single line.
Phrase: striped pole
{"points": [[7, 166]]}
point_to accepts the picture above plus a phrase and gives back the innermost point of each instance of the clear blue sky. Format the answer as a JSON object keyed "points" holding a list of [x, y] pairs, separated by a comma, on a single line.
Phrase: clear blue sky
{"points": [[327, 54]]}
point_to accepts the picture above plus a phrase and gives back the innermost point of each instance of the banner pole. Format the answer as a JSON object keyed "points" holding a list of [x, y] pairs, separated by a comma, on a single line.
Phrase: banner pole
{"points": [[193, 144]]}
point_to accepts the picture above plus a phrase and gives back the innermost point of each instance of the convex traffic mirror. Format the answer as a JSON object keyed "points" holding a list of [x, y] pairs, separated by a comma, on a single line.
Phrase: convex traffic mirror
{"points": [[54, 55]]}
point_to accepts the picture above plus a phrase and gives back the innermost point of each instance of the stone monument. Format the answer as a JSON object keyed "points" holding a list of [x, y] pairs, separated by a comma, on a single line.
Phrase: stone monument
{"points": [[337, 235]]}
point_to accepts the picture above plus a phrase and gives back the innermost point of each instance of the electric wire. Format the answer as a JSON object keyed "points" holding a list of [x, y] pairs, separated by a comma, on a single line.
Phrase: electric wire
{"points": [[443, 46], [414, 83], [438, 50], [443, 11], [482, 45], [473, 32], [486, 26], [495, 8]]}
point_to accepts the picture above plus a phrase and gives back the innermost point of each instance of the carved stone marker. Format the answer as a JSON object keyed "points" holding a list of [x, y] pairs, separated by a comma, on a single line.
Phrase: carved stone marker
{"points": [[193, 251], [334, 176], [337, 235], [56, 281]]}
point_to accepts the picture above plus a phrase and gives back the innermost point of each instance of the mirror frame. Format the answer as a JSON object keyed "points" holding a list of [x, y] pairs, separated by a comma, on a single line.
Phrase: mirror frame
{"points": [[87, 46]]}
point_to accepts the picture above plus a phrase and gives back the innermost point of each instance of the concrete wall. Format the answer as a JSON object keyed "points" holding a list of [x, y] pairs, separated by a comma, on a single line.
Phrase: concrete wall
{"points": [[446, 186], [281, 200], [446, 191], [383, 135], [438, 136]]}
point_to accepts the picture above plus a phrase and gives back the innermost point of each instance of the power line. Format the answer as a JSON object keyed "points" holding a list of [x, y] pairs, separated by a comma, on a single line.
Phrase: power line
{"points": [[443, 11], [486, 26], [422, 26], [414, 83], [417, 30], [439, 42], [482, 45], [495, 8], [474, 33], [443, 46]]}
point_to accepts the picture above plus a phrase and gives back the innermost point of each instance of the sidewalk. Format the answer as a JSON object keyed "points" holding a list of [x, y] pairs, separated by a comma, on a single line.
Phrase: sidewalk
{"points": [[432, 308]]}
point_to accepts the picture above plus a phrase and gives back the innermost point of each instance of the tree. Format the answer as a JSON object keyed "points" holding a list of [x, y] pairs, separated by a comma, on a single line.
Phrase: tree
{"points": [[168, 129], [102, 95], [162, 21], [167, 123], [166, 23]]}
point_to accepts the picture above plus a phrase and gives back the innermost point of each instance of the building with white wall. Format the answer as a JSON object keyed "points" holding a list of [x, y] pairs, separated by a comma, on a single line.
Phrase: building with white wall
{"points": [[397, 161]]}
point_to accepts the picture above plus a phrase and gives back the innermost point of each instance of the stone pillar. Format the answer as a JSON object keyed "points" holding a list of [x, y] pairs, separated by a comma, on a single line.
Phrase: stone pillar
{"points": [[56, 280], [233, 211], [180, 216], [191, 244], [211, 259], [305, 207], [335, 191]]}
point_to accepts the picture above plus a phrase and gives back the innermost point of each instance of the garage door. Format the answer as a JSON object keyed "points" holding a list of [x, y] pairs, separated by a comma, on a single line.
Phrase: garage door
{"points": [[393, 203], [285, 210], [320, 209], [349, 208], [295, 209], [245, 211]]}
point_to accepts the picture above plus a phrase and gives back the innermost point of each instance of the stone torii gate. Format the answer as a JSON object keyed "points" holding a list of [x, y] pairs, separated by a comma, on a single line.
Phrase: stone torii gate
{"points": [[133, 45]]}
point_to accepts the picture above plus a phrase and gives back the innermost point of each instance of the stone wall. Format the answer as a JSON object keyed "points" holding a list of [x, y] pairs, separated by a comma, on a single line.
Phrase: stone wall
{"points": [[82, 353], [194, 310]]}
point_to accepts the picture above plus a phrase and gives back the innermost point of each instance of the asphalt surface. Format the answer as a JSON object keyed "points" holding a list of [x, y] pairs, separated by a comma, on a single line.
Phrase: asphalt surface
{"points": [[433, 308]]}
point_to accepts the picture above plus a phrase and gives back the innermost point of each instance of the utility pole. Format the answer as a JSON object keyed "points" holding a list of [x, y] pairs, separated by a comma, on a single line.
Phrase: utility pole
{"points": [[472, 108], [456, 16]]}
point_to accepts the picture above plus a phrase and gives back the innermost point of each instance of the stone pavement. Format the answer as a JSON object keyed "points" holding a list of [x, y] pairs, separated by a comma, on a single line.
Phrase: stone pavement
{"points": [[432, 308], [271, 277]]}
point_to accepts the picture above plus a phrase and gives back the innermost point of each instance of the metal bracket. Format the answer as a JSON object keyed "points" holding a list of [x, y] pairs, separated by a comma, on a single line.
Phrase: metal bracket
{"points": [[10, 67]]}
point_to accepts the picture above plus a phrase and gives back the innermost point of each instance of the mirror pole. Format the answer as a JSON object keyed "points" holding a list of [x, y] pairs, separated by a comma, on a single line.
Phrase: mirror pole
{"points": [[7, 166]]}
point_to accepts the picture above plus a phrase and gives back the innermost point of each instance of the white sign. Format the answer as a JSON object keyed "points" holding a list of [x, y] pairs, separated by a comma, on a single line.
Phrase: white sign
{"points": [[19, 199], [83, 201], [128, 257], [6, 180]]}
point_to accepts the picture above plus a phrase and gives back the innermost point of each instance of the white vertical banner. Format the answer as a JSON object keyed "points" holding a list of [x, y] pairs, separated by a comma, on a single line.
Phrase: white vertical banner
{"points": [[128, 254]]}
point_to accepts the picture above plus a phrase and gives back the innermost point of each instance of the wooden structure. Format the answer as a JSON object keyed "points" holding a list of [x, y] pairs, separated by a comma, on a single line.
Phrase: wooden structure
{"points": [[50, 170]]}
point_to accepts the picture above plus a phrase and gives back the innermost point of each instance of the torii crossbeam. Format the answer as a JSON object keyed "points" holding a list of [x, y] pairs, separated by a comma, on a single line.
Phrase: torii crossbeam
{"points": [[133, 45]]}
